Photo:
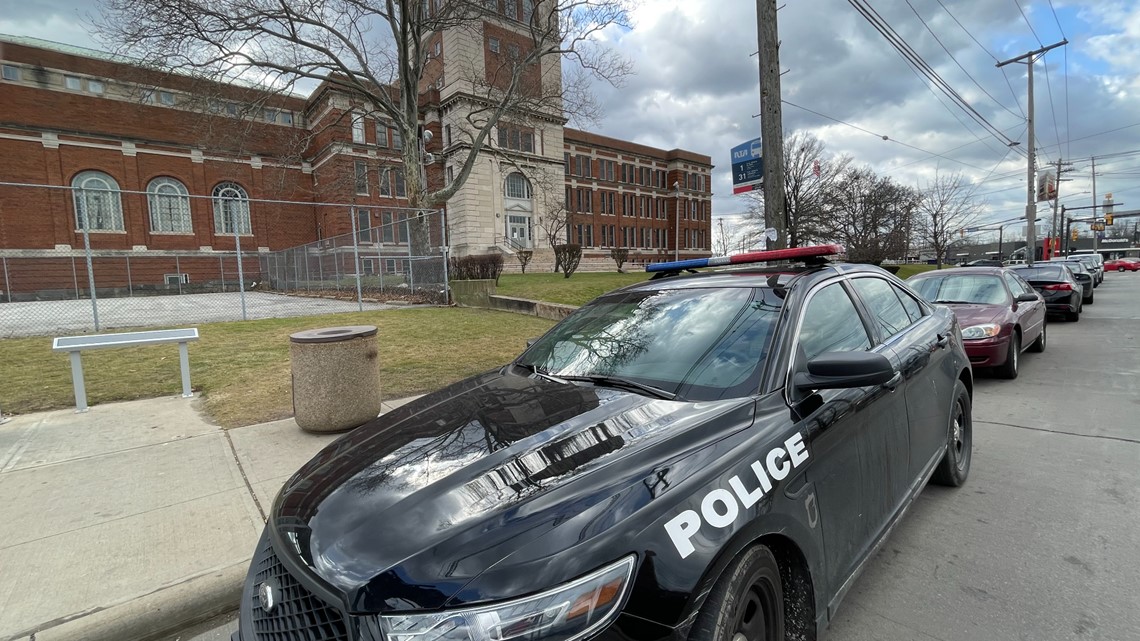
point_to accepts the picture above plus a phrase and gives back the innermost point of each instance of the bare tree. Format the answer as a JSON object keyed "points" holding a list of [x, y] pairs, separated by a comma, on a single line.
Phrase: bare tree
{"points": [[723, 239], [809, 175], [379, 53], [871, 215], [947, 206]]}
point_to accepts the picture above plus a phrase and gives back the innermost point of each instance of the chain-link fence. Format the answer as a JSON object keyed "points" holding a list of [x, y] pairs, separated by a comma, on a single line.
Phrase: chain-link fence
{"points": [[376, 261], [92, 257]]}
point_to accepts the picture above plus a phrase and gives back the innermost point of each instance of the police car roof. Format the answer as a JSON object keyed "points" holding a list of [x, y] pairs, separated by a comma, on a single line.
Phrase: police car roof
{"points": [[750, 276]]}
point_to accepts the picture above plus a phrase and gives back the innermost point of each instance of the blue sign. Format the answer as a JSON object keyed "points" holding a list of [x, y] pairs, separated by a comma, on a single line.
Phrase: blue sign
{"points": [[747, 167]]}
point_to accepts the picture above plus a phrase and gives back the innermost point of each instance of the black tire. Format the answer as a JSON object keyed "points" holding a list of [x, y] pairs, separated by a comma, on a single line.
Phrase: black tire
{"points": [[954, 468], [1073, 317], [1089, 300], [1009, 368], [748, 599], [1038, 345], [1120, 269]]}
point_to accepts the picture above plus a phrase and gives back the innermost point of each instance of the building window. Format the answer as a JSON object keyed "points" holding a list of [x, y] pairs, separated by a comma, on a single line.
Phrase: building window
{"points": [[386, 182], [270, 115], [518, 186], [169, 206], [401, 188], [446, 135], [98, 204], [231, 209], [95, 86], [363, 226], [450, 175], [397, 138], [166, 98], [492, 44], [382, 134], [527, 10], [566, 163], [361, 177], [286, 117], [73, 82], [11, 73], [358, 129]]}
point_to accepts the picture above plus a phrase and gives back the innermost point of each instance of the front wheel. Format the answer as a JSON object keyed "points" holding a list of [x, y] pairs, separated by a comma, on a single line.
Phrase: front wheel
{"points": [[955, 465], [1008, 369], [747, 603]]}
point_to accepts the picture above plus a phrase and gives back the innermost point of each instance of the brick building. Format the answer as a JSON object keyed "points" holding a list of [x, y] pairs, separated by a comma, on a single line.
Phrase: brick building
{"points": [[168, 165]]}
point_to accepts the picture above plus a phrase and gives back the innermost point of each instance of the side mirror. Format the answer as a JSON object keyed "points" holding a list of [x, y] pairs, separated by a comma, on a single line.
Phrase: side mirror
{"points": [[835, 370], [1027, 298]]}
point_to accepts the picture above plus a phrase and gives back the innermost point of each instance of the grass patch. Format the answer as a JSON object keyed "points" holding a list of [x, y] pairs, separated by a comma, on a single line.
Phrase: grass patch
{"points": [[906, 271], [242, 368], [579, 289]]}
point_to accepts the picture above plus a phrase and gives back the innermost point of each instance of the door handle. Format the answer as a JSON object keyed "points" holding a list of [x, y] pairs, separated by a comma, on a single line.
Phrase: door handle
{"points": [[894, 382], [943, 341]]}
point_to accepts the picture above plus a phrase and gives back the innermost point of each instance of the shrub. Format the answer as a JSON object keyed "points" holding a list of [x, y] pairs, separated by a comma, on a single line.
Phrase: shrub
{"points": [[568, 256], [477, 267]]}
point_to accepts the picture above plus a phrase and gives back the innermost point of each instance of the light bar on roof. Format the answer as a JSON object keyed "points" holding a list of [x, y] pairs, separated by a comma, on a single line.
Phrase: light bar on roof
{"points": [[815, 251]]}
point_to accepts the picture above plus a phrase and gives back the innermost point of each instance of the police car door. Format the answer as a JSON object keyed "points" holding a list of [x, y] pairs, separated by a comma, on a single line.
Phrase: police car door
{"points": [[889, 432], [835, 423]]}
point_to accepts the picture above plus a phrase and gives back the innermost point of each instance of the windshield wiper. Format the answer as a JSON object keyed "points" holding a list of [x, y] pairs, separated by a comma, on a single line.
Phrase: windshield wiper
{"points": [[953, 302], [541, 373], [624, 383]]}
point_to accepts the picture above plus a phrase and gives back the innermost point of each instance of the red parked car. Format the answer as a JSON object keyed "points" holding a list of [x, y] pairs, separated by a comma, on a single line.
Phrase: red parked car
{"points": [[1000, 314], [1122, 264]]}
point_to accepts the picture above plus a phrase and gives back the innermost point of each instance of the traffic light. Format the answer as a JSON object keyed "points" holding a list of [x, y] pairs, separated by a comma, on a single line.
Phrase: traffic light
{"points": [[1074, 235], [1108, 219]]}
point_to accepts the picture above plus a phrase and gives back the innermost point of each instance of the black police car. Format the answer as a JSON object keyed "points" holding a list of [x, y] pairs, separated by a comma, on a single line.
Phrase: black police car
{"points": [[709, 456]]}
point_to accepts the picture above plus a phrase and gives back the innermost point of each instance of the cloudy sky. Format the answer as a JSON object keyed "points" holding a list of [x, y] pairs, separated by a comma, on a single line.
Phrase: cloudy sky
{"points": [[696, 86]]}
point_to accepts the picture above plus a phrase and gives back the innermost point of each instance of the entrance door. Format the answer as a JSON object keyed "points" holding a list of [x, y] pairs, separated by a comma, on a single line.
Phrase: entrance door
{"points": [[518, 230]]}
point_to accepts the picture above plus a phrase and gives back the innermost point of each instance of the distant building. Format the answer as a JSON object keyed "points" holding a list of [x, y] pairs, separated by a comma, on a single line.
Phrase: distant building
{"points": [[168, 163]]}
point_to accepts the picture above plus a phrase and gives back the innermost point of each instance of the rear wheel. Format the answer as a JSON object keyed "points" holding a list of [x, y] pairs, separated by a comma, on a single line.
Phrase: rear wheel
{"points": [[955, 465], [1038, 345], [747, 603], [1089, 300], [1009, 368]]}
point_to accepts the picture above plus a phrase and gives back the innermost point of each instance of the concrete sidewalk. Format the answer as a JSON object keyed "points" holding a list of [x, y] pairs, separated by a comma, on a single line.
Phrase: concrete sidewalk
{"points": [[133, 519]]}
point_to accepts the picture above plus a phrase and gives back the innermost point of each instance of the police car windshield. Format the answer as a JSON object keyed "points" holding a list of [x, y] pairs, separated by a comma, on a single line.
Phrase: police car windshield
{"points": [[961, 288], [700, 343]]}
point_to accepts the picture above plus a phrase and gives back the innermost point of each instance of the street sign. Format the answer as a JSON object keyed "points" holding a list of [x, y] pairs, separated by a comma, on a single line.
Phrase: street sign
{"points": [[747, 167]]}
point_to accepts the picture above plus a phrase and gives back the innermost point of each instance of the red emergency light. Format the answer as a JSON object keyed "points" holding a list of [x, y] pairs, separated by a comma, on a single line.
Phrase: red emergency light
{"points": [[795, 253]]}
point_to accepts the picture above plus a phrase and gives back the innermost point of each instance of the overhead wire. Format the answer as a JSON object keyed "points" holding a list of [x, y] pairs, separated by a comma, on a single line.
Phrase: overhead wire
{"points": [[878, 135], [1016, 100], [944, 48], [914, 59]]}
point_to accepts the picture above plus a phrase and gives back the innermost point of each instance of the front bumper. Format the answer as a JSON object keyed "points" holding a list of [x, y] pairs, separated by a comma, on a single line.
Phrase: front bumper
{"points": [[987, 352]]}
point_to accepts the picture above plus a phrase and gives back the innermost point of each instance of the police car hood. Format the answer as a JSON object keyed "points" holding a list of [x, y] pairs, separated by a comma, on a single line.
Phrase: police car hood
{"points": [[499, 470]]}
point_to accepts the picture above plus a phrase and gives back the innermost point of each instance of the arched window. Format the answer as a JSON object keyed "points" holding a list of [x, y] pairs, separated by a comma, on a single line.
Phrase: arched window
{"points": [[231, 209], [169, 206], [98, 205], [517, 186]]}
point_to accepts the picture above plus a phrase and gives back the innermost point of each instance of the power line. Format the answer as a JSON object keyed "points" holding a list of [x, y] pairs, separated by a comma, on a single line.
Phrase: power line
{"points": [[1031, 29], [981, 46], [968, 75], [1059, 27], [946, 151], [878, 135], [911, 56], [1101, 133]]}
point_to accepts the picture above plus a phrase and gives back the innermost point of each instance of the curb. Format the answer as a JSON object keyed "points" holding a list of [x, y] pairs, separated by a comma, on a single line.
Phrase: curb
{"points": [[162, 613]]}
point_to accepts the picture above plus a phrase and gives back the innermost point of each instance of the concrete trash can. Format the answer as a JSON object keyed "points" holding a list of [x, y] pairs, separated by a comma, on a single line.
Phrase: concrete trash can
{"points": [[336, 377]]}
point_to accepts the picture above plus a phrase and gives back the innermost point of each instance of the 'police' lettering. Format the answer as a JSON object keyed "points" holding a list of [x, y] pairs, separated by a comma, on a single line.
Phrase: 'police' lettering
{"points": [[720, 508]]}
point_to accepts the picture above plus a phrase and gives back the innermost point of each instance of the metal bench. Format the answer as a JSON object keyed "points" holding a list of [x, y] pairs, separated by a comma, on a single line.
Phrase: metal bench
{"points": [[76, 344]]}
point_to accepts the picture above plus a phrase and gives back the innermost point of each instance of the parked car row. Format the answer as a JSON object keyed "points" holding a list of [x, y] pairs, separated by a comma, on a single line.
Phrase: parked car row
{"points": [[1003, 310]]}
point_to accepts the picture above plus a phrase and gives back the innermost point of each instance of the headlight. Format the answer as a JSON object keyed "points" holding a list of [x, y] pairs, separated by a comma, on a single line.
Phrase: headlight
{"points": [[565, 613], [988, 330]]}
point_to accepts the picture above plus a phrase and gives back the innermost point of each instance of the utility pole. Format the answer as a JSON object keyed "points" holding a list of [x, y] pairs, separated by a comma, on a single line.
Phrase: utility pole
{"points": [[771, 122], [1094, 232], [1031, 186]]}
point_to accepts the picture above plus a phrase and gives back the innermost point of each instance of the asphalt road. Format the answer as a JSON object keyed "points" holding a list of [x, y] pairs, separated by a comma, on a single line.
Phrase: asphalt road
{"points": [[1043, 542]]}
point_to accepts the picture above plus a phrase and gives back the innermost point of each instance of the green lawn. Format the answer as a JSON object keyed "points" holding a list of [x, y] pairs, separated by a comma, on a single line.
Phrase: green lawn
{"points": [[242, 368], [579, 289], [906, 271]]}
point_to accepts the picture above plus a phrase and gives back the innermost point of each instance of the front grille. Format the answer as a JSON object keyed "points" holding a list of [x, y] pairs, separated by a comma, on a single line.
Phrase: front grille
{"points": [[298, 614]]}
